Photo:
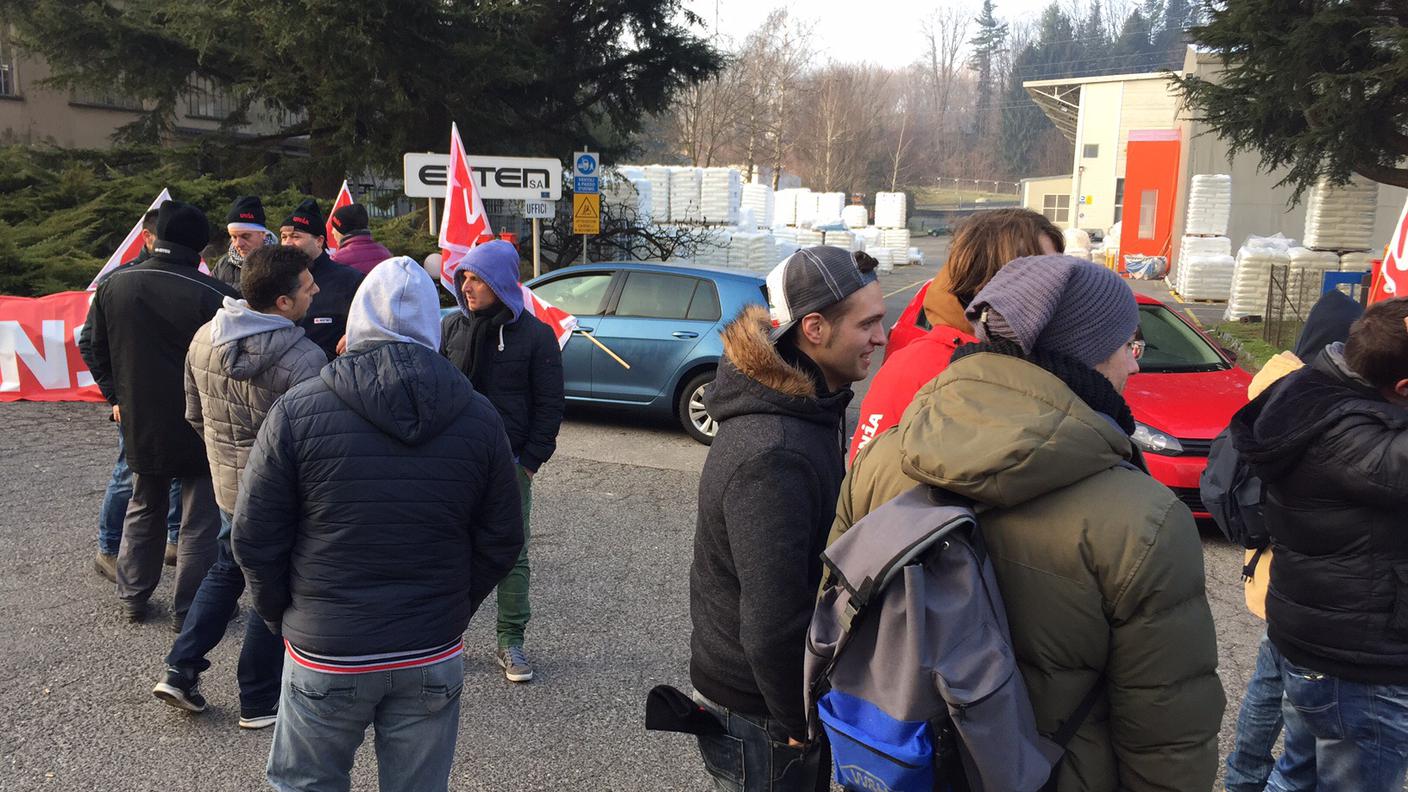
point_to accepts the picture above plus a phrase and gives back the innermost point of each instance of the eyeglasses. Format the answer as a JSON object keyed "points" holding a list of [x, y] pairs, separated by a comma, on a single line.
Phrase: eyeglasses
{"points": [[1136, 347]]}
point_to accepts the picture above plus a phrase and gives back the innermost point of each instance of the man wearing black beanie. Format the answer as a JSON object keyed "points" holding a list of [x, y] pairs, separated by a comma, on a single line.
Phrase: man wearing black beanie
{"points": [[245, 225], [326, 322], [140, 323]]}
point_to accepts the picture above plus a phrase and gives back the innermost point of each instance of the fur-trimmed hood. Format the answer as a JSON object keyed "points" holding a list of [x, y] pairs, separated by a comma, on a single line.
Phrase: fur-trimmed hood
{"points": [[754, 377]]}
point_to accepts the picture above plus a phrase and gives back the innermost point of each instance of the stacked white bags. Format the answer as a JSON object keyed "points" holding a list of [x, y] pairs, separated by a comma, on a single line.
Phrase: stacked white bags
{"points": [[758, 199], [885, 258], [628, 187], [829, 206], [1356, 262], [1251, 278], [807, 237], [1341, 218], [720, 194], [784, 207], [713, 249], [855, 216], [1207, 277], [1077, 243], [844, 240], [869, 236], [752, 250], [891, 210], [1307, 277], [806, 207], [896, 239], [1209, 205], [684, 194], [1190, 256], [659, 178]]}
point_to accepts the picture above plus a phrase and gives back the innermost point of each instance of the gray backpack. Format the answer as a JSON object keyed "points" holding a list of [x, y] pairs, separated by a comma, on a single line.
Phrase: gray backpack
{"points": [[909, 665]]}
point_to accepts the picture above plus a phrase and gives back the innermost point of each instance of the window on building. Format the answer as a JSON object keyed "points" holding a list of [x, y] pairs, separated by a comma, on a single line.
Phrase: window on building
{"points": [[109, 100], [205, 99], [1092, 150], [1119, 199], [1056, 207], [8, 85], [1148, 208]]}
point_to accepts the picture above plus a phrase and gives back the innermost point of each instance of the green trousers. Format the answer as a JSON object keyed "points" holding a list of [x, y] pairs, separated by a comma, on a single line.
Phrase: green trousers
{"points": [[514, 610]]}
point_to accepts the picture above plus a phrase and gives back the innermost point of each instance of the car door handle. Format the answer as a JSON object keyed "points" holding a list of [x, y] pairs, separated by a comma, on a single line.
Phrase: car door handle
{"points": [[685, 334], [584, 329]]}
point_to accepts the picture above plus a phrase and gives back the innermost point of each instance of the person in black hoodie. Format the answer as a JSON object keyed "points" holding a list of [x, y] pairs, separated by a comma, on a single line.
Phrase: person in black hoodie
{"points": [[767, 497], [326, 322], [377, 510], [142, 319], [514, 360], [1330, 444]]}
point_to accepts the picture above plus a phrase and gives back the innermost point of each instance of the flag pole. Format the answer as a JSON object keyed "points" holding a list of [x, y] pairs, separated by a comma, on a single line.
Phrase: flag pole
{"points": [[604, 348], [537, 260]]}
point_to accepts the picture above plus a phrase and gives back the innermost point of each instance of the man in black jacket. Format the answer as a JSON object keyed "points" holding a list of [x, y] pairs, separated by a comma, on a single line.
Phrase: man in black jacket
{"points": [[377, 510], [515, 361], [1330, 444], [245, 225], [326, 322], [141, 321], [767, 498]]}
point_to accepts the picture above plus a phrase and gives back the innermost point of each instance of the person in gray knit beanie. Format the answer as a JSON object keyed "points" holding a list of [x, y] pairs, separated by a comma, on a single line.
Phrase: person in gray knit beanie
{"points": [[1058, 304]]}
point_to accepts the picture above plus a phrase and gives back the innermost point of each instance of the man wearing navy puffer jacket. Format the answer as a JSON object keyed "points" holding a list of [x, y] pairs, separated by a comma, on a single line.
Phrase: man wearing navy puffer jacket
{"points": [[515, 361], [377, 511]]}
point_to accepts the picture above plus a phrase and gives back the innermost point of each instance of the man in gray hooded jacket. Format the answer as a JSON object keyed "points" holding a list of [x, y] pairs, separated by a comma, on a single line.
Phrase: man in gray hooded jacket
{"points": [[239, 363]]}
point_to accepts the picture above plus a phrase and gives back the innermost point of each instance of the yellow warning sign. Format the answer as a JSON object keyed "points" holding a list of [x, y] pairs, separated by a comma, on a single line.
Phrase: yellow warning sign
{"points": [[586, 213]]}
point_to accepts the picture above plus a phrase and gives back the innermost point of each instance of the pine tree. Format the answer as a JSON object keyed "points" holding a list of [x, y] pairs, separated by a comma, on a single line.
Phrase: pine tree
{"points": [[988, 43]]}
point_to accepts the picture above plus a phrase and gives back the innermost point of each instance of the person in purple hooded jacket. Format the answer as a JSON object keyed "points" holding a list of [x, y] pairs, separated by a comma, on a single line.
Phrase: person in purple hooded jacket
{"points": [[514, 360], [355, 247]]}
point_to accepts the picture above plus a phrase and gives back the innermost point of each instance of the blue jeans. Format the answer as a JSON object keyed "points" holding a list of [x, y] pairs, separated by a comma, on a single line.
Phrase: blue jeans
{"points": [[323, 718], [1359, 732], [1252, 759], [114, 506], [216, 602], [753, 756]]}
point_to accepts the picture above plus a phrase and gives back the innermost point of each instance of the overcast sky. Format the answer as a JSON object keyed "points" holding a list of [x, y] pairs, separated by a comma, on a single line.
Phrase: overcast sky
{"points": [[885, 32]]}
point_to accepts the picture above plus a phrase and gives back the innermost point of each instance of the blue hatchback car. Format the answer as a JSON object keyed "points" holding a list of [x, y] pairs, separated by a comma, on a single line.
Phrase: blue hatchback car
{"points": [[663, 320]]}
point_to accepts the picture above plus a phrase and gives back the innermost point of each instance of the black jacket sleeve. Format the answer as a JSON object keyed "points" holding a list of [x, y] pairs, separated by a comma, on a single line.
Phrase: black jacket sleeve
{"points": [[771, 504], [93, 346], [267, 517], [548, 400], [497, 534]]}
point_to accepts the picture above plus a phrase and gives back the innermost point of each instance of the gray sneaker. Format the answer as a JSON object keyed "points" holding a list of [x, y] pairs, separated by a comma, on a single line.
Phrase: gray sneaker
{"points": [[515, 664]]}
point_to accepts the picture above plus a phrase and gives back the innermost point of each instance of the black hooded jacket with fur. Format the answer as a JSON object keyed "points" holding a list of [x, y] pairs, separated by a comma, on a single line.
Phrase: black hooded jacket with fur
{"points": [[767, 497]]}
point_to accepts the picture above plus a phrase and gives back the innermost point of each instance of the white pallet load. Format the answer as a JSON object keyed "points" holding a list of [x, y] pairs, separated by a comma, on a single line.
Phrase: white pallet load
{"points": [[1209, 204], [806, 207], [684, 195], [1356, 261], [842, 239], [807, 237], [1307, 276], [753, 250], [713, 247], [891, 210], [759, 199], [916, 257], [785, 207], [1199, 247], [720, 193], [870, 235], [659, 177], [629, 188], [1341, 218], [885, 261], [897, 238], [855, 216], [782, 251], [1207, 277], [1251, 277], [829, 206], [899, 257]]}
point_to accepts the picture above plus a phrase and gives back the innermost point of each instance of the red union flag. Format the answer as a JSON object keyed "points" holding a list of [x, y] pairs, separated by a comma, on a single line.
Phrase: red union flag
{"points": [[463, 222], [1391, 280], [131, 246], [344, 198], [559, 321]]}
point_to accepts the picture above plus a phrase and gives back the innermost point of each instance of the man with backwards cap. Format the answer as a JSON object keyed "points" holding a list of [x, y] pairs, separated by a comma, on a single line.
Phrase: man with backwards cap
{"points": [[326, 321], [767, 496], [141, 322], [245, 225], [1100, 566]]}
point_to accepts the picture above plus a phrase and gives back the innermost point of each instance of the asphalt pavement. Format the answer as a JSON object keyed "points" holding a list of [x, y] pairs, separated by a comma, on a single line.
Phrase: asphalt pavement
{"points": [[613, 521]]}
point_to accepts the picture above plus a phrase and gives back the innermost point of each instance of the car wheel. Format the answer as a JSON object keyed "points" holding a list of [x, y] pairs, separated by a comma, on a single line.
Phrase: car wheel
{"points": [[690, 410]]}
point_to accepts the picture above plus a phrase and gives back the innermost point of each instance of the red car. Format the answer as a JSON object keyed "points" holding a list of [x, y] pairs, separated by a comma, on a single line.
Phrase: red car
{"points": [[1184, 395]]}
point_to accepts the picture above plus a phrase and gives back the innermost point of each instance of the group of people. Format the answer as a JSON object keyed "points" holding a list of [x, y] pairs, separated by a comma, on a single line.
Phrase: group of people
{"points": [[294, 401], [364, 467], [1013, 403]]}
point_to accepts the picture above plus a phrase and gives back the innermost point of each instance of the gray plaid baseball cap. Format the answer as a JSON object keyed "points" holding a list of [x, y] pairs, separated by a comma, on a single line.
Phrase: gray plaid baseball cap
{"points": [[811, 280]]}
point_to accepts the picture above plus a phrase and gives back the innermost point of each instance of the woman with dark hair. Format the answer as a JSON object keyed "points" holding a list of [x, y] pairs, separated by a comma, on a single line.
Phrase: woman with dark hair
{"points": [[980, 248]]}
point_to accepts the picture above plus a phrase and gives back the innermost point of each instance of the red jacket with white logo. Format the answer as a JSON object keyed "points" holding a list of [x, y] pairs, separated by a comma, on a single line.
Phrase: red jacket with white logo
{"points": [[902, 375]]}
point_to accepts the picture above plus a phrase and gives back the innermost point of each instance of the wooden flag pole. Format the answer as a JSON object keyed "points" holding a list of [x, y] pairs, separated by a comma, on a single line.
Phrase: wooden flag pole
{"points": [[603, 348]]}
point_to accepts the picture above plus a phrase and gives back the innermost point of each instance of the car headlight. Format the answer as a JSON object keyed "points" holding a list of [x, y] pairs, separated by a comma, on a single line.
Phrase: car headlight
{"points": [[1153, 441]]}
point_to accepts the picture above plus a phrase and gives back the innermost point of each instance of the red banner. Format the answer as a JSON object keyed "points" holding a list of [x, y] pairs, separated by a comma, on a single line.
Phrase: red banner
{"points": [[39, 358]]}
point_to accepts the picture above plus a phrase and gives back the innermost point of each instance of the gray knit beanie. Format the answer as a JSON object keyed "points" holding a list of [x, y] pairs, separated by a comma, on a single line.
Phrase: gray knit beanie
{"points": [[1058, 304]]}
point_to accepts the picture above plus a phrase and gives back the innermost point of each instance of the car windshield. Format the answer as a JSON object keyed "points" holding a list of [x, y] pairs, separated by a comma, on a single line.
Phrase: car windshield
{"points": [[1172, 346]]}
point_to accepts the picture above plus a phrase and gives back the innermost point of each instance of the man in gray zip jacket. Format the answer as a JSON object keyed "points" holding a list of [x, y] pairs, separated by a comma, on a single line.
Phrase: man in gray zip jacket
{"points": [[238, 365]]}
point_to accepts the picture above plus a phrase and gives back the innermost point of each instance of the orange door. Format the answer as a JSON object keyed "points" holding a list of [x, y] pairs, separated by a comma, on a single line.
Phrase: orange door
{"points": [[1150, 189]]}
